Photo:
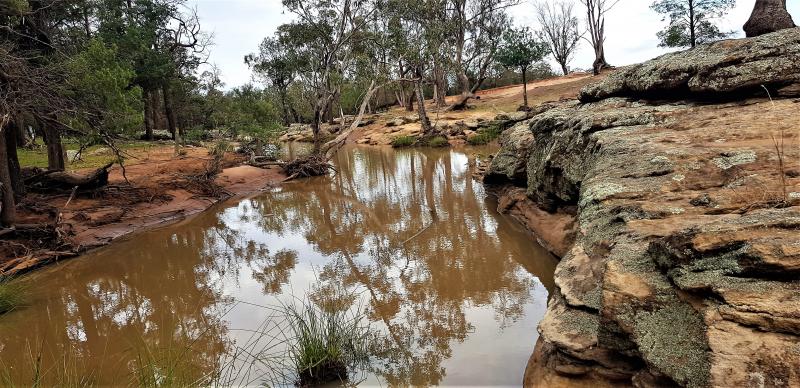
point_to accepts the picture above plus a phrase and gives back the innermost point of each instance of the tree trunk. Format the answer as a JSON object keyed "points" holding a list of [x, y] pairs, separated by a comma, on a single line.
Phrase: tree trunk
{"points": [[55, 150], [149, 121], [410, 99], [61, 181], [334, 145], [169, 111], [287, 114], [768, 16], [8, 212], [692, 24], [525, 86], [13, 160], [23, 137], [427, 128], [441, 86], [599, 62], [155, 109], [315, 128]]}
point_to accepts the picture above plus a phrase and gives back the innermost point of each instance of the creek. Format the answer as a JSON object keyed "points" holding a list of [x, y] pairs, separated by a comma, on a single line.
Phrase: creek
{"points": [[406, 236]]}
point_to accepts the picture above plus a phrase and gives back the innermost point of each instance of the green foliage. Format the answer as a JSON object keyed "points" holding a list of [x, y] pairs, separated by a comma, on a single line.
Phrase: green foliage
{"points": [[404, 141], [12, 295], [247, 111], [101, 84], [485, 136], [438, 141], [520, 49], [681, 23], [195, 135], [327, 341]]}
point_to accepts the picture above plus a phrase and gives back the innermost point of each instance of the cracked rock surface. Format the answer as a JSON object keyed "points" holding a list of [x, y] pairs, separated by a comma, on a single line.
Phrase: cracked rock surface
{"points": [[684, 268]]}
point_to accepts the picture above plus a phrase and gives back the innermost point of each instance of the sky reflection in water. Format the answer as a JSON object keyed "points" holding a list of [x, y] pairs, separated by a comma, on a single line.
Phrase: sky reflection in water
{"points": [[456, 288]]}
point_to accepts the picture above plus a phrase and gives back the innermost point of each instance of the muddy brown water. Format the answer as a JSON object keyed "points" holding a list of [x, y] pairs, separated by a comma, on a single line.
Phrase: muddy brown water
{"points": [[455, 288]]}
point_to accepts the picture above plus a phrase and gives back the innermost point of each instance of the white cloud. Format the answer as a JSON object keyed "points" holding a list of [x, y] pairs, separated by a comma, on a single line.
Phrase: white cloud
{"points": [[240, 25]]}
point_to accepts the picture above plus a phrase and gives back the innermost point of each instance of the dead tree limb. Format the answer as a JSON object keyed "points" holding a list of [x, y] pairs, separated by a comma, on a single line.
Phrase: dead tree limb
{"points": [[57, 181]]}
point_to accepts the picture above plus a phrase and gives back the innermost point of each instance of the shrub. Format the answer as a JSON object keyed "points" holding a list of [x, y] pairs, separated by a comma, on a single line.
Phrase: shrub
{"points": [[404, 141], [195, 136]]}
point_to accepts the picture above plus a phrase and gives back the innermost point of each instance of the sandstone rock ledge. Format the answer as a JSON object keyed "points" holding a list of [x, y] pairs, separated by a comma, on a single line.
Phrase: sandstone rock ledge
{"points": [[684, 269]]}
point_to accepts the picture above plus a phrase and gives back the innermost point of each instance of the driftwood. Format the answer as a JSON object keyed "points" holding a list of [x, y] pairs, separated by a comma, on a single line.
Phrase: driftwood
{"points": [[317, 164], [330, 148], [62, 181]]}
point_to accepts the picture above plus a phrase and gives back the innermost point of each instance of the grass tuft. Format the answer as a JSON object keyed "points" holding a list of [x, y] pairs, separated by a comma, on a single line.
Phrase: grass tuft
{"points": [[485, 136], [438, 141], [12, 295], [328, 341], [404, 141]]}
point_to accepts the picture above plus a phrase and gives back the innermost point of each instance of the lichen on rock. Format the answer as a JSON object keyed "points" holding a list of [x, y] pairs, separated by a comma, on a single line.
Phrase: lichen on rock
{"points": [[680, 241]]}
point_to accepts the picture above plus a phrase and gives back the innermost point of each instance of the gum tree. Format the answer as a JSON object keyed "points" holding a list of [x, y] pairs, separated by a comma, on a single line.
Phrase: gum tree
{"points": [[519, 50], [691, 21], [559, 28], [596, 26]]}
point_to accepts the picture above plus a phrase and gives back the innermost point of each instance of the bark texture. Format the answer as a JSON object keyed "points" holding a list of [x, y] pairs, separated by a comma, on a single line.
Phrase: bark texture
{"points": [[768, 16]]}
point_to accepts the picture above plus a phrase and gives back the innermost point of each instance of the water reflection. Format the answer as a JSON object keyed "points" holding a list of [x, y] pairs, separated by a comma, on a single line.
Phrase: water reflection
{"points": [[456, 288]]}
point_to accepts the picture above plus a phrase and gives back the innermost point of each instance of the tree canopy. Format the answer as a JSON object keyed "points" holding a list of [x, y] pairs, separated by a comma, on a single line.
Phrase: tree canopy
{"points": [[691, 21]]}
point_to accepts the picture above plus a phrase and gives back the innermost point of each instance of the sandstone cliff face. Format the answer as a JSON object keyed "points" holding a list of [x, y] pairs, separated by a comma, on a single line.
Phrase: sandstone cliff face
{"points": [[685, 266]]}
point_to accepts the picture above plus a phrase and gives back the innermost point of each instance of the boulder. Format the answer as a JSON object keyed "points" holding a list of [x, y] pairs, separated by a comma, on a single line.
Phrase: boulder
{"points": [[396, 122], [513, 116], [768, 16], [717, 70], [511, 161]]}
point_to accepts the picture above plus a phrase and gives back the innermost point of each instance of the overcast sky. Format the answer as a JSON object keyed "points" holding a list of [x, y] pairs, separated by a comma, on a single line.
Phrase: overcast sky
{"points": [[240, 25]]}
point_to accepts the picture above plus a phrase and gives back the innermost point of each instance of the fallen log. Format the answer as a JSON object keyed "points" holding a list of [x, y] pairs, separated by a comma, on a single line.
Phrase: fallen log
{"points": [[61, 181]]}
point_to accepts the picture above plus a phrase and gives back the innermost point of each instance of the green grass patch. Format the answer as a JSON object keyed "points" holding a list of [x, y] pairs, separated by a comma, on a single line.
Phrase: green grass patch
{"points": [[438, 141], [93, 157], [404, 141], [485, 135], [12, 295]]}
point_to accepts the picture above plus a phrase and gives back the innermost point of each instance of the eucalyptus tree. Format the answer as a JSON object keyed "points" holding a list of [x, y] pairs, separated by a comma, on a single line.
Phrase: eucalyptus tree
{"points": [[559, 28], [323, 37], [416, 39], [768, 16], [276, 66], [691, 21], [163, 40], [477, 27], [596, 11], [519, 50]]}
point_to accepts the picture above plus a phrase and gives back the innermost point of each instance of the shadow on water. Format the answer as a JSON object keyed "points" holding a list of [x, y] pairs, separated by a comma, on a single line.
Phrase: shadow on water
{"points": [[456, 289]]}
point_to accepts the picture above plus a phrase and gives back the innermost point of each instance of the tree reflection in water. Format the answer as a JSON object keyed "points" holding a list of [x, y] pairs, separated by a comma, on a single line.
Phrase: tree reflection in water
{"points": [[407, 234], [415, 236]]}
